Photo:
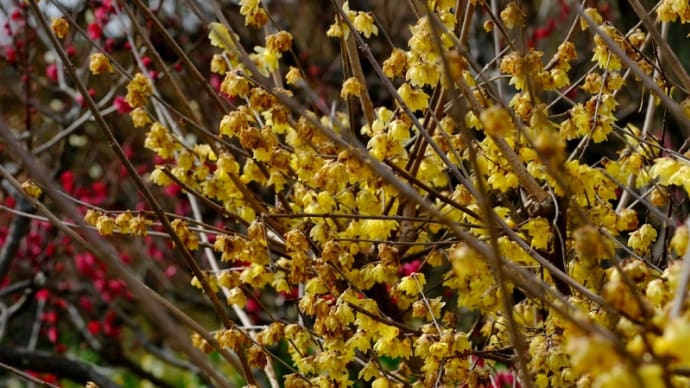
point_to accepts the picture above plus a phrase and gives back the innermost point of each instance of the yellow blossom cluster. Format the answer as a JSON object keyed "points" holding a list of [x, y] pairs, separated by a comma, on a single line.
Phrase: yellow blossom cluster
{"points": [[670, 10], [254, 14], [451, 226], [123, 223]]}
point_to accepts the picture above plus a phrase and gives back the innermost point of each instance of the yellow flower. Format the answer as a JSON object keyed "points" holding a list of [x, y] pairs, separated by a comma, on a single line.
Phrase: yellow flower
{"points": [[627, 220], [382, 382], [409, 286], [614, 81], [139, 117], [122, 221], [253, 14], [60, 27], [591, 245], [31, 189], [351, 88], [91, 217], [396, 64], [592, 354], [618, 294], [233, 123], [641, 240], [236, 297], [251, 172], [99, 63], [378, 229], [138, 226], [188, 238], [364, 23], [256, 19], [139, 90], [675, 342], [279, 42], [415, 99], [560, 78], [513, 15], [159, 140], [159, 177], [219, 36], [679, 242], [218, 64], [205, 152], [497, 121], [235, 85], [226, 164], [337, 30], [594, 14], [540, 231], [503, 181], [266, 59], [293, 76], [369, 371], [422, 73], [248, 6], [105, 225]]}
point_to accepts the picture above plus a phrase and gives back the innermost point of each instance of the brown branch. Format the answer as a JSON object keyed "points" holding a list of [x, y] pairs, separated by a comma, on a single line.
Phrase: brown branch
{"points": [[37, 361], [352, 56], [667, 52], [18, 229], [220, 310], [105, 252]]}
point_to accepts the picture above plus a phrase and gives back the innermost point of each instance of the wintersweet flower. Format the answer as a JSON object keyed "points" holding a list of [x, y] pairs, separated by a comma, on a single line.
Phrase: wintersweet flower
{"points": [[139, 90], [31, 189], [513, 15], [60, 27], [415, 99], [99, 63], [279, 42], [139, 117], [364, 23], [641, 239], [105, 225], [396, 64], [358, 246], [293, 76], [351, 88]]}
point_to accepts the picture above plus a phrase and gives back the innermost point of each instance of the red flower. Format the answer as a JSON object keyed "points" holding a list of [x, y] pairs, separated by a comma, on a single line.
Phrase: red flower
{"points": [[11, 55], [80, 98], [16, 14], [170, 271], [52, 334], [50, 317], [42, 294], [94, 31], [10, 202], [101, 14], [86, 303], [121, 105], [94, 327], [67, 181], [52, 72]]}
